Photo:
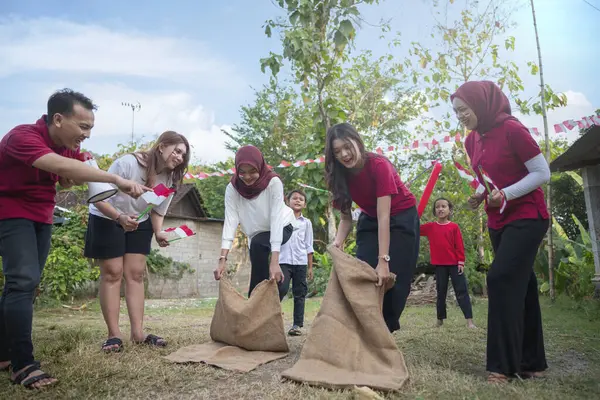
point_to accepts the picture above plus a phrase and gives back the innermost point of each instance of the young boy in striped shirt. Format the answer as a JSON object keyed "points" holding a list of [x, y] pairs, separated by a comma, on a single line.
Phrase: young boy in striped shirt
{"points": [[296, 260]]}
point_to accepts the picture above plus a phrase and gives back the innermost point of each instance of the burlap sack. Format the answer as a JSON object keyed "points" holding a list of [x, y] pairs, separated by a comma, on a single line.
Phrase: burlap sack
{"points": [[245, 332], [349, 344]]}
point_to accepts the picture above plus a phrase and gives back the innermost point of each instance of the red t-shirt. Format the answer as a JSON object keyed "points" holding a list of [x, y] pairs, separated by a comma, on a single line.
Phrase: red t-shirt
{"points": [[446, 245], [502, 152], [25, 191], [379, 178]]}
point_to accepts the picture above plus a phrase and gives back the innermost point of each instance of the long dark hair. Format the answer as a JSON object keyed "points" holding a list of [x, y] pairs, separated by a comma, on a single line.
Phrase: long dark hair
{"points": [[149, 159], [335, 173]]}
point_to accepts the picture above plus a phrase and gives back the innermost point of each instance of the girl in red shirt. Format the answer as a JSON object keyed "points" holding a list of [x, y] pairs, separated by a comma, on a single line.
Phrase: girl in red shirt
{"points": [[503, 148], [387, 232], [447, 254]]}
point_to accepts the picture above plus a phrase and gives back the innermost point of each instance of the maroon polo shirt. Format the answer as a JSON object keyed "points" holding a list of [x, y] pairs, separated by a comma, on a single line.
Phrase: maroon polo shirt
{"points": [[502, 152], [379, 178], [25, 191]]}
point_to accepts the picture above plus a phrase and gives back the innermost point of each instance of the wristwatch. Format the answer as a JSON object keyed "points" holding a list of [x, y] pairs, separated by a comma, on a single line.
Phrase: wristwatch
{"points": [[385, 257]]}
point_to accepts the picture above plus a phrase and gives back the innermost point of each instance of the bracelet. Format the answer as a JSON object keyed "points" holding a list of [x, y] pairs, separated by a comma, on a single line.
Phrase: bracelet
{"points": [[223, 258], [119, 216]]}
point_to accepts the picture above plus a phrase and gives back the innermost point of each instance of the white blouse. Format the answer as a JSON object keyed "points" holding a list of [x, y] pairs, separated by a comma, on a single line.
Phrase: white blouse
{"points": [[128, 167], [266, 212]]}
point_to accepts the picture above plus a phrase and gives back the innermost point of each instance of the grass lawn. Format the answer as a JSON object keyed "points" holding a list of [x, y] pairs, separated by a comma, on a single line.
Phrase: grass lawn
{"points": [[444, 363]]}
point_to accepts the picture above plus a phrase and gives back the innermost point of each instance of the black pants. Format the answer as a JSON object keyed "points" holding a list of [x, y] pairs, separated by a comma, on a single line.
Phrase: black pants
{"points": [[260, 250], [24, 247], [461, 290], [404, 250], [297, 274], [515, 340]]}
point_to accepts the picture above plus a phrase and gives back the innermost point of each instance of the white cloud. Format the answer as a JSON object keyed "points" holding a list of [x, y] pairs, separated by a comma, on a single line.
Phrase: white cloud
{"points": [[42, 55], [160, 111], [54, 45]]}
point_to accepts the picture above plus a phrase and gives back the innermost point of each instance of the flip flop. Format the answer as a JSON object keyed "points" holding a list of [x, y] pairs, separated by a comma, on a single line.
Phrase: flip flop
{"points": [[495, 378], [153, 340], [28, 383], [113, 341]]}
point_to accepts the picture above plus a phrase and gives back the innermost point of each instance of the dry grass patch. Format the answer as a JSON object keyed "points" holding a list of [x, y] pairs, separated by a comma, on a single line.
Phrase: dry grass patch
{"points": [[445, 363]]}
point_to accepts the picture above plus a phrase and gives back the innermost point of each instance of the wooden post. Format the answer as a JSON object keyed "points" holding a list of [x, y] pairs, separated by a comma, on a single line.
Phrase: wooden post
{"points": [[591, 190]]}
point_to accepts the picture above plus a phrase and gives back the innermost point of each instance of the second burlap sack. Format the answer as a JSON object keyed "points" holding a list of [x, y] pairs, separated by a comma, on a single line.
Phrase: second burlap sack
{"points": [[349, 343]]}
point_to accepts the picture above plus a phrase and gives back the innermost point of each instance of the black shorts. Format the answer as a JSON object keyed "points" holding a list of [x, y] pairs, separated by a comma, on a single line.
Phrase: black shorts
{"points": [[106, 239]]}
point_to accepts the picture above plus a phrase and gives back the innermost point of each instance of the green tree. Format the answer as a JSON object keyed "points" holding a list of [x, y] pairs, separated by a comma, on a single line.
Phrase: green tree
{"points": [[278, 121], [315, 37], [212, 189]]}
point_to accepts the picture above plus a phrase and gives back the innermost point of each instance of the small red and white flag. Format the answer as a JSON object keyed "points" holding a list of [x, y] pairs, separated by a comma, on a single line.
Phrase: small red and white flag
{"points": [[487, 178], [159, 194], [155, 198], [466, 175], [182, 231]]}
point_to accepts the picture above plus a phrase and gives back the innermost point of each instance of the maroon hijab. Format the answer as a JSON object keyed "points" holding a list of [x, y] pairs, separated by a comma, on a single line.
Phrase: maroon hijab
{"points": [[487, 101], [252, 156]]}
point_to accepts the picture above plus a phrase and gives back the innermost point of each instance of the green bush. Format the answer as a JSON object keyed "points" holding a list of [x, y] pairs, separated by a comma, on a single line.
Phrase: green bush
{"points": [[166, 267], [322, 265], [573, 265], [67, 270]]}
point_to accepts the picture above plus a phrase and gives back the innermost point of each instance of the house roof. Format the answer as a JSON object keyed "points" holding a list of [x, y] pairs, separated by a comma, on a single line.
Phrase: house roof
{"points": [[584, 152], [189, 192]]}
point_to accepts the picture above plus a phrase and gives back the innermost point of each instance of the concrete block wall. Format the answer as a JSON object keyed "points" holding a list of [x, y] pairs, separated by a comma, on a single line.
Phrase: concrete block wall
{"points": [[202, 254], [185, 250]]}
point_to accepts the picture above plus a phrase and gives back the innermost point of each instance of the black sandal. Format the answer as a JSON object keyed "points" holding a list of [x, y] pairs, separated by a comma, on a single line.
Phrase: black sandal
{"points": [[28, 383], [153, 340], [112, 342]]}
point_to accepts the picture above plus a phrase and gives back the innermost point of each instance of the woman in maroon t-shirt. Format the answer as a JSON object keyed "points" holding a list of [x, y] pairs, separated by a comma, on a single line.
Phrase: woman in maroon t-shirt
{"points": [[387, 232], [502, 148]]}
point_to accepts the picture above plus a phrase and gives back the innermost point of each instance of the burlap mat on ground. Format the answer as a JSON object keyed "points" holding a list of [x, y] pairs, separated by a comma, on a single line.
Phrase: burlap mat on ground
{"points": [[348, 343], [245, 332]]}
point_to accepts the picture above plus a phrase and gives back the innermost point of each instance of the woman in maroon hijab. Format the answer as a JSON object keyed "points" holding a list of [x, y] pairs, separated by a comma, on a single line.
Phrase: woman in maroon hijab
{"points": [[503, 149], [254, 199]]}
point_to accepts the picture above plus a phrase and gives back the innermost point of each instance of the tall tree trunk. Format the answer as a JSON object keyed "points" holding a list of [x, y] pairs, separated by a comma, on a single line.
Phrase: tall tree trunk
{"points": [[550, 240]]}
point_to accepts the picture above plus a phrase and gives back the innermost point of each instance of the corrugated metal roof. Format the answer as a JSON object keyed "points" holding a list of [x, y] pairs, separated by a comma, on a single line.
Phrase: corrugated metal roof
{"points": [[584, 152]]}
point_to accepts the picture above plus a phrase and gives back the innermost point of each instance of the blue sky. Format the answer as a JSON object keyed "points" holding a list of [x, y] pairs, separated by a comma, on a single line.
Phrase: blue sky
{"points": [[193, 64]]}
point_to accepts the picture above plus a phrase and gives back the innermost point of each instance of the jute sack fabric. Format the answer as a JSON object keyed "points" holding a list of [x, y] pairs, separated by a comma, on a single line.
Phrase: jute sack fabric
{"points": [[349, 343], [245, 332]]}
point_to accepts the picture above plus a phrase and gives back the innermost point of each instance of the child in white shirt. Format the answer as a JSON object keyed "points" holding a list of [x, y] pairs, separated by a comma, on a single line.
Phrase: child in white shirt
{"points": [[296, 260]]}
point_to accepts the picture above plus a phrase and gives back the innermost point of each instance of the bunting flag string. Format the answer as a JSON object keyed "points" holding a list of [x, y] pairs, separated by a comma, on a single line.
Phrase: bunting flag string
{"points": [[563, 127]]}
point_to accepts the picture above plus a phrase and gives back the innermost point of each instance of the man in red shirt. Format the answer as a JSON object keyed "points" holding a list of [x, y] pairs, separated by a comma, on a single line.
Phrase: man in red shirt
{"points": [[33, 158]]}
